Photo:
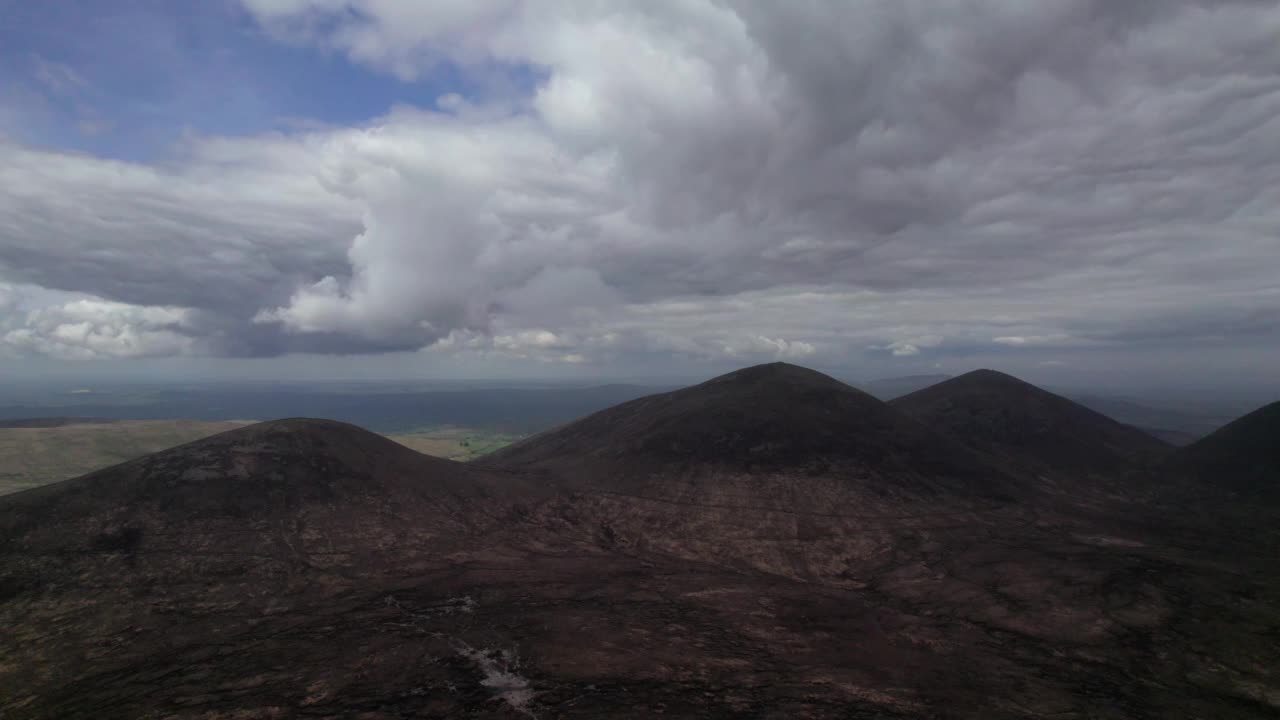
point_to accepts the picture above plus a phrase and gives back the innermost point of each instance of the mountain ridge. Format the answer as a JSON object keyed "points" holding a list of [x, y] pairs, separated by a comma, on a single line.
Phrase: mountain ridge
{"points": [[756, 420]]}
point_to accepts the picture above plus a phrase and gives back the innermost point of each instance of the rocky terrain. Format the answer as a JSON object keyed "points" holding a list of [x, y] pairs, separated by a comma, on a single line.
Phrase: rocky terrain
{"points": [[771, 543]]}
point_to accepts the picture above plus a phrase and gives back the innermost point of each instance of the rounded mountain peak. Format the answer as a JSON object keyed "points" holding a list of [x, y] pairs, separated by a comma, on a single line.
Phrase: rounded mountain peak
{"points": [[775, 418], [777, 373], [988, 378], [257, 470], [1029, 430]]}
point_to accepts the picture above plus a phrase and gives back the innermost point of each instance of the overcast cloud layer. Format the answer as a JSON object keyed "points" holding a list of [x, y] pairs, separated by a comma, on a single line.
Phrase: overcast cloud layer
{"points": [[818, 181]]}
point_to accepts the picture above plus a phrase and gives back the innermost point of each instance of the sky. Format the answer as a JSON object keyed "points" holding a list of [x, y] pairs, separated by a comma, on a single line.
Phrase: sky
{"points": [[1082, 190]]}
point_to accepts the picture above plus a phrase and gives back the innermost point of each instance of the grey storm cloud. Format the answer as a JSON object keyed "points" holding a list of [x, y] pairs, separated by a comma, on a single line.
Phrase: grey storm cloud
{"points": [[713, 179]]}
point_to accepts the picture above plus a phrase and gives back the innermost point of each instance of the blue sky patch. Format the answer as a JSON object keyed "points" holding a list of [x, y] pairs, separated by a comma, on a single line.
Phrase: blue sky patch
{"points": [[127, 79]]}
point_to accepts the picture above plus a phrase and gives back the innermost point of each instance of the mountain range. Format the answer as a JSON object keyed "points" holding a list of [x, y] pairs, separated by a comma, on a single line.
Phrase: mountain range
{"points": [[770, 543]]}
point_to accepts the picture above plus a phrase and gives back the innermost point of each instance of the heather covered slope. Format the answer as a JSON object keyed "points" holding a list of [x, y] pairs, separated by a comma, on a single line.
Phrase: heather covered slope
{"points": [[774, 467], [263, 498], [194, 546], [311, 569], [783, 471], [1032, 432]]}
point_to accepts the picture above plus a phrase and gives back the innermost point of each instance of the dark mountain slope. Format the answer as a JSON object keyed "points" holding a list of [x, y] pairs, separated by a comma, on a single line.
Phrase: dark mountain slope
{"points": [[1242, 458], [269, 499], [774, 468], [309, 569], [784, 471], [251, 506], [189, 550], [763, 420], [1032, 432]]}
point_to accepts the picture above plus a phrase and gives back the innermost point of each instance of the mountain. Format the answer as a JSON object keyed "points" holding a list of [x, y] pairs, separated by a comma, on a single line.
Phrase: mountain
{"points": [[1032, 432], [770, 544], [773, 468], [270, 489], [223, 565], [775, 419], [1242, 458]]}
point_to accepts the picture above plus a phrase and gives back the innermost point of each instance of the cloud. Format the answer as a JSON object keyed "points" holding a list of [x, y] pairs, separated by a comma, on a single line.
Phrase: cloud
{"points": [[777, 347], [909, 347], [968, 146], [58, 78], [1032, 340], [714, 180], [236, 225], [9, 300], [407, 38], [530, 339], [94, 328]]}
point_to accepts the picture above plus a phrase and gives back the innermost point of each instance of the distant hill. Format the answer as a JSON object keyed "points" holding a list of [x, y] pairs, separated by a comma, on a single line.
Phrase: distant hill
{"points": [[1175, 427], [1177, 438], [1182, 423], [889, 388], [1243, 457], [517, 410], [51, 422], [1032, 432]]}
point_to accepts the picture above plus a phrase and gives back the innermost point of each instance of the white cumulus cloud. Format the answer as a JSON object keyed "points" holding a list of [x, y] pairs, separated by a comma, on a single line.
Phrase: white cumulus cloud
{"points": [[95, 328]]}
